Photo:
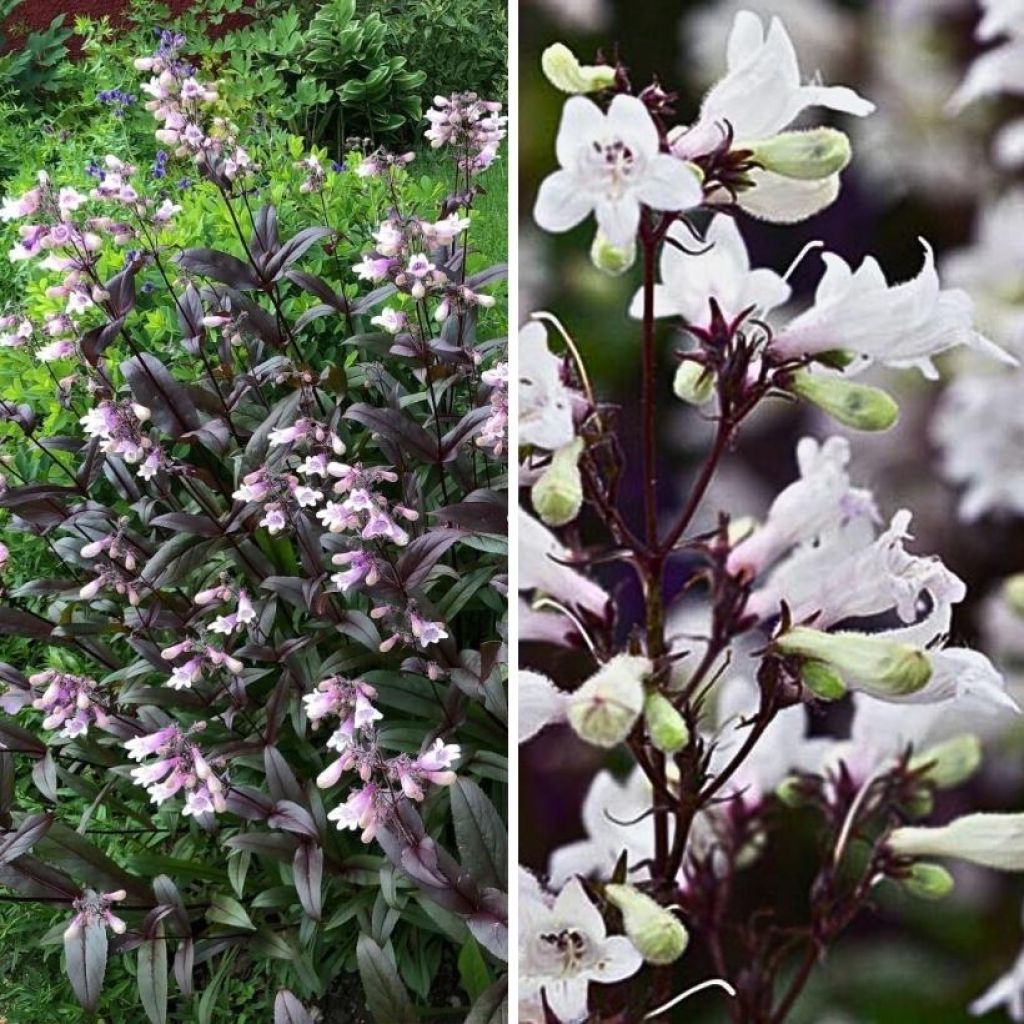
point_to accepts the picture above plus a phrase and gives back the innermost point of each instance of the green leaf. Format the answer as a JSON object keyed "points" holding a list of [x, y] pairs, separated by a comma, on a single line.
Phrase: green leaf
{"points": [[492, 1006], [473, 972], [228, 911]]}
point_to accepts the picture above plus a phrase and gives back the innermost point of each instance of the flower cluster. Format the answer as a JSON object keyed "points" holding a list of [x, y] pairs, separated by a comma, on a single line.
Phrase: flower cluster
{"points": [[355, 742], [179, 765], [71, 703], [473, 127]]}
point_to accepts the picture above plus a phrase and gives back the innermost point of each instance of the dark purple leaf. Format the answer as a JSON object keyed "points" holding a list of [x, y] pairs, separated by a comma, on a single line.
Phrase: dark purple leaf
{"points": [[152, 385], [308, 869], [374, 298], [281, 779], [20, 841], [462, 432], [400, 429], [14, 622], [491, 1007], [494, 273], [96, 341], [385, 993], [479, 512], [85, 952], [480, 834], [152, 977], [320, 288], [220, 266], [423, 554], [292, 250], [290, 817]]}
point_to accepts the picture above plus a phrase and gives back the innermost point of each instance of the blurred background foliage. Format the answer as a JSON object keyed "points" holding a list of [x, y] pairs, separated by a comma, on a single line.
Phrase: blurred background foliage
{"points": [[916, 171]]}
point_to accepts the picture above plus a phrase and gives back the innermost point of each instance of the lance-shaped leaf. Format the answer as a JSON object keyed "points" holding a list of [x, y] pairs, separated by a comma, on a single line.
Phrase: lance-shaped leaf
{"points": [[152, 976], [423, 554], [308, 868], [21, 840], [168, 402], [398, 428], [492, 1006], [292, 250], [288, 1010], [85, 955], [386, 996], [220, 266], [480, 833]]}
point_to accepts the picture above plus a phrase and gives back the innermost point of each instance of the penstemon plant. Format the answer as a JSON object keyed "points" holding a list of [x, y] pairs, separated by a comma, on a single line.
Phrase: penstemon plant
{"points": [[709, 689], [270, 657]]}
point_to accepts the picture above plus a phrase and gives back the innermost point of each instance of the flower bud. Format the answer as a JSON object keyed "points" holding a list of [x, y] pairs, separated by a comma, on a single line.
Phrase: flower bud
{"points": [[665, 725], [869, 663], [605, 708], [1013, 593], [928, 881], [854, 405], [564, 71], [950, 763], [808, 155], [789, 792], [613, 260], [991, 840], [558, 493], [822, 680], [657, 934], [693, 383]]}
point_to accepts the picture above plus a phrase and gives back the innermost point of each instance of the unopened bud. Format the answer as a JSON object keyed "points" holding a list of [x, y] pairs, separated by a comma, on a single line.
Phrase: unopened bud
{"points": [[991, 840], [665, 725], [613, 260], [789, 792], [865, 662], [657, 934], [808, 155], [565, 72], [950, 763], [928, 881], [605, 708], [854, 405], [558, 493], [822, 680], [693, 383]]}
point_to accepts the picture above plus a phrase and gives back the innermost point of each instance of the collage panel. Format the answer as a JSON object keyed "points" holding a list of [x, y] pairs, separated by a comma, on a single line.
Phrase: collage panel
{"points": [[253, 512], [770, 489]]}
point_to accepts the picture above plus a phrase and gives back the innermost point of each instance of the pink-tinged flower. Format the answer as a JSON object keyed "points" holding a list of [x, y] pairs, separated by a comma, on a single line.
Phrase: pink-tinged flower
{"points": [[372, 268], [389, 238], [314, 465], [379, 524], [5, 556], [289, 435], [142, 747], [360, 811], [336, 517], [63, 348], [21, 206], [71, 703], [419, 266], [274, 519], [425, 631], [183, 676], [255, 487], [361, 567], [390, 320], [307, 497], [180, 766], [93, 908]]}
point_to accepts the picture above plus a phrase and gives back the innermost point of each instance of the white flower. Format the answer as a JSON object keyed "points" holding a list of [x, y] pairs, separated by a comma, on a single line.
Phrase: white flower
{"points": [[759, 96], [897, 325], [990, 840], [719, 269], [545, 403], [852, 574], [565, 947], [610, 165], [541, 704], [821, 500], [977, 427], [541, 569]]}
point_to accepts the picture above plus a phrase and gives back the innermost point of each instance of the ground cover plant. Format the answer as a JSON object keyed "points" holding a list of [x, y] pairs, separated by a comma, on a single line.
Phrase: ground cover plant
{"points": [[253, 713]]}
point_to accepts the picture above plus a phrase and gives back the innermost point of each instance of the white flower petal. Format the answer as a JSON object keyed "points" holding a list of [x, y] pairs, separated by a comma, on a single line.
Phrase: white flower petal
{"points": [[561, 204], [669, 185]]}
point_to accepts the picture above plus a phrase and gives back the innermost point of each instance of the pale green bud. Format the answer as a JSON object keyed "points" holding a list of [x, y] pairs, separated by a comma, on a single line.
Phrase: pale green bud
{"points": [[950, 763], [693, 383], [928, 881], [822, 680], [613, 260], [920, 804], [866, 662], [665, 725], [789, 792], [557, 494], [565, 72], [659, 936], [1013, 592], [605, 708], [808, 155], [854, 405]]}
